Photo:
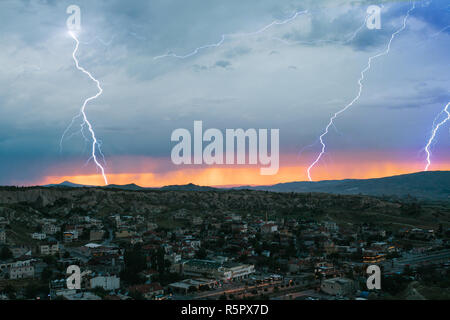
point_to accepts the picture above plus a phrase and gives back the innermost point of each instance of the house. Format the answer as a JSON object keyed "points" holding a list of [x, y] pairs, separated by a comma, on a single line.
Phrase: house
{"points": [[269, 228], [196, 221], [38, 236], [96, 235], [106, 282], [331, 226], [149, 274], [70, 236], [124, 234], [49, 249], [50, 228], [151, 226], [338, 286], [173, 258], [239, 227], [329, 247], [21, 270], [20, 250]]}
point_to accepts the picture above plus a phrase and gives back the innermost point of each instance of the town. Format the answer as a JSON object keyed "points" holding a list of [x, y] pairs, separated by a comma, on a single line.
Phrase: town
{"points": [[213, 244]]}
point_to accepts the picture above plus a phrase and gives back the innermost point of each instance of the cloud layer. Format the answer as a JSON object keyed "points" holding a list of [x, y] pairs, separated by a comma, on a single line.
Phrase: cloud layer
{"points": [[291, 77]]}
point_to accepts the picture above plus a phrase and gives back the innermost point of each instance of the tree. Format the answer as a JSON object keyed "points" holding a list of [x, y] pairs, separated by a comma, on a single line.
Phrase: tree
{"points": [[5, 253], [50, 260], [47, 274], [10, 292], [135, 262], [33, 290], [201, 254]]}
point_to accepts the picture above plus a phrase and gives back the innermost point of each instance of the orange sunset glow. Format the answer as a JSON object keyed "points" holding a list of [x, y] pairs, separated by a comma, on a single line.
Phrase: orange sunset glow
{"points": [[238, 175]]}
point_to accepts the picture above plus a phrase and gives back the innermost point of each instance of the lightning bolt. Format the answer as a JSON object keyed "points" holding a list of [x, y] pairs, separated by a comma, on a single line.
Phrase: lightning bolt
{"points": [[360, 83], [434, 131], [96, 145], [225, 36]]}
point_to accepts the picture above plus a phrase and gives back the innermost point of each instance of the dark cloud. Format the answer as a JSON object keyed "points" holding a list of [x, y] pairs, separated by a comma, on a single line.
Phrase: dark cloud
{"points": [[223, 64], [247, 82]]}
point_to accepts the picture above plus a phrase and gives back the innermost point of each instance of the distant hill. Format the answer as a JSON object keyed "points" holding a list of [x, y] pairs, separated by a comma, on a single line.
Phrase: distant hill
{"points": [[131, 186], [188, 187], [423, 185], [433, 185], [67, 184]]}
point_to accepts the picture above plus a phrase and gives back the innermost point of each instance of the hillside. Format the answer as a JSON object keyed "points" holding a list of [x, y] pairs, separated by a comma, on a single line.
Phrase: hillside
{"points": [[66, 202], [423, 185]]}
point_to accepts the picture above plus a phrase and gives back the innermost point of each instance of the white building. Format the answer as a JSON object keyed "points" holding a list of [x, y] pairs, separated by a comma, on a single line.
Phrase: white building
{"points": [[49, 249], [106, 282], [20, 269], [214, 270], [50, 228], [22, 272], [173, 258], [240, 271], [269, 228], [39, 236], [338, 286]]}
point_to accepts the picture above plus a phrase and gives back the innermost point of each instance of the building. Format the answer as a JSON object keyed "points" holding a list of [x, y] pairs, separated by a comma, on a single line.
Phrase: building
{"points": [[50, 228], [331, 226], [338, 286], [196, 221], [49, 249], [239, 271], [70, 236], [373, 256], [39, 236], [188, 285], [173, 258], [96, 235], [269, 228], [21, 270], [106, 282], [239, 227], [20, 250], [124, 234], [152, 226], [205, 268], [215, 270]]}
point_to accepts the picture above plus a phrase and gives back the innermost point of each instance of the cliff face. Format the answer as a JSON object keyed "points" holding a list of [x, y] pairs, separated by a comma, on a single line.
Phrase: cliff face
{"points": [[95, 199], [99, 202], [42, 196]]}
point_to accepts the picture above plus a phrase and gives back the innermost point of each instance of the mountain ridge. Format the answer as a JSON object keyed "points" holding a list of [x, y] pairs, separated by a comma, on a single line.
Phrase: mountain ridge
{"points": [[423, 185]]}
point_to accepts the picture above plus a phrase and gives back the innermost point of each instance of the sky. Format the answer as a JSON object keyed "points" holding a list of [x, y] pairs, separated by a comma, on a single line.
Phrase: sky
{"points": [[292, 77]]}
